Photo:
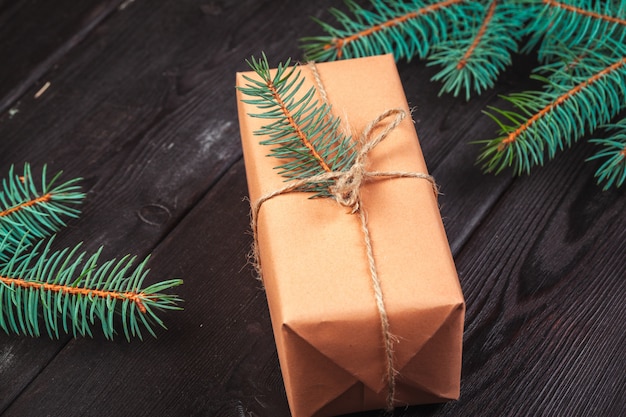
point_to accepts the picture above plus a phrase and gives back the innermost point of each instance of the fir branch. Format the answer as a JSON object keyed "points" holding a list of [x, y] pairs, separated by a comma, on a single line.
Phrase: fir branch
{"points": [[612, 172], [551, 119], [578, 25], [65, 291], [406, 29], [27, 212], [70, 292], [301, 129], [570, 60], [581, 45], [470, 51], [589, 13], [473, 59]]}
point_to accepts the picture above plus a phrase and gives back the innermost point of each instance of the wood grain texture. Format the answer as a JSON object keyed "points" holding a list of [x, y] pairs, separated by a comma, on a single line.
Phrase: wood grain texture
{"points": [[216, 355], [544, 281], [34, 36], [142, 107]]}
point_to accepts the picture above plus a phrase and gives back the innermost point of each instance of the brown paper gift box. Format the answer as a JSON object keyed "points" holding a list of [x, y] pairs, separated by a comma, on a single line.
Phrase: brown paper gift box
{"points": [[325, 321]]}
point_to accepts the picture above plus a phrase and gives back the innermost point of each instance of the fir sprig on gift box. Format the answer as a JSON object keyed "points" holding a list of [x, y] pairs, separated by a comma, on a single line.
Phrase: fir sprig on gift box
{"points": [[307, 136], [580, 45], [66, 290]]}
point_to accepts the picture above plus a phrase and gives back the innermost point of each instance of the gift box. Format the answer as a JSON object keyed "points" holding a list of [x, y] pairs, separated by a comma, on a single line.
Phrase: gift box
{"points": [[315, 269]]}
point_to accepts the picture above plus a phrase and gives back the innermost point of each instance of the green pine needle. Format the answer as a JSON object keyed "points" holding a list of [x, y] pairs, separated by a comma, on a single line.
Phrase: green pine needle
{"points": [[580, 44], [573, 60], [404, 28], [473, 58], [67, 291], [571, 105], [27, 212], [612, 172], [578, 23], [301, 130]]}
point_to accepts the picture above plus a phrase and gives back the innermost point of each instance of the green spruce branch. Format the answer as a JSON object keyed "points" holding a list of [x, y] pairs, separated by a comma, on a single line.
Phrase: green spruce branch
{"points": [[471, 40], [472, 59], [406, 29], [301, 129], [580, 44], [67, 290], [612, 172], [30, 213], [550, 120], [580, 23]]}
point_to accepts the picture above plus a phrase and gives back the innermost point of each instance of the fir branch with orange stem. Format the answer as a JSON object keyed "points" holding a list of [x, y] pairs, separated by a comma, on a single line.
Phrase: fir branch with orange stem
{"points": [[29, 211], [406, 29], [579, 43], [585, 12], [472, 60], [580, 24], [66, 290], [570, 106], [471, 41], [301, 129]]}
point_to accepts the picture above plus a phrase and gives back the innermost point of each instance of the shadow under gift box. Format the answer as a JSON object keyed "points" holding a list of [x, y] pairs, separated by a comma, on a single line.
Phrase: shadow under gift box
{"points": [[315, 269]]}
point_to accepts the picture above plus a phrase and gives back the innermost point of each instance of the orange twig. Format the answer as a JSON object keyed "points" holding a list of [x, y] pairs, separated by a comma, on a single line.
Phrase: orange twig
{"points": [[479, 36], [564, 97], [137, 298], [584, 12], [340, 43], [44, 198], [305, 140]]}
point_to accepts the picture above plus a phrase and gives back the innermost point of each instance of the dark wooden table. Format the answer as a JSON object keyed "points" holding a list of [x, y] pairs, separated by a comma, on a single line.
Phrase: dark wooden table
{"points": [[141, 105]]}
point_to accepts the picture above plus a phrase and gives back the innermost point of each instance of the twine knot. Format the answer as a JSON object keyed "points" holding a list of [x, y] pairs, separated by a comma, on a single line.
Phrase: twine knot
{"points": [[346, 190], [347, 187]]}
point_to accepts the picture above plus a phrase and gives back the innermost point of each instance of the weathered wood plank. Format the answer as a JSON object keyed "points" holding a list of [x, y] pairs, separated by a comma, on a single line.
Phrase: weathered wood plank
{"points": [[216, 356], [34, 36], [544, 282], [143, 124]]}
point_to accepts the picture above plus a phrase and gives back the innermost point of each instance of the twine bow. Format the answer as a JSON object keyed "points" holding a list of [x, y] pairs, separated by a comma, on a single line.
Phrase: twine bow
{"points": [[347, 192]]}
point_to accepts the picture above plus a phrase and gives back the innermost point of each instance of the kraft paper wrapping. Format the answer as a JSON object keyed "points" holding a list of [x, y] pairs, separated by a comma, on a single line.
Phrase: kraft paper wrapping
{"points": [[315, 272]]}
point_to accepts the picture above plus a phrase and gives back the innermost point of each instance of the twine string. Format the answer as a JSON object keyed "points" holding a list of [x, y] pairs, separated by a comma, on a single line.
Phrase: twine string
{"points": [[347, 192], [321, 89]]}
